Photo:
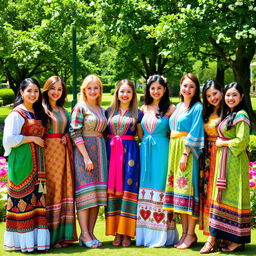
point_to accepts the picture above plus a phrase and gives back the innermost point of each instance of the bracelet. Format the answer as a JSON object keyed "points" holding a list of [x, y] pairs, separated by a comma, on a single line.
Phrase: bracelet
{"points": [[185, 154]]}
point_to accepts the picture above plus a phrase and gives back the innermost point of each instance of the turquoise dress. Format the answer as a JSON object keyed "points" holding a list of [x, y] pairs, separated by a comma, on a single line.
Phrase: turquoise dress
{"points": [[155, 226]]}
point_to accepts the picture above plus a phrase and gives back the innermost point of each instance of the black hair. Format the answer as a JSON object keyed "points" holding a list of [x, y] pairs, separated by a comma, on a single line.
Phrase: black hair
{"points": [[37, 106], [196, 97], [207, 107], [226, 111], [164, 103]]}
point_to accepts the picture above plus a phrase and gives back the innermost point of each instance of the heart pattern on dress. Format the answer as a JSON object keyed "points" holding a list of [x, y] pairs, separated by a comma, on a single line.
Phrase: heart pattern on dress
{"points": [[145, 214], [158, 216]]}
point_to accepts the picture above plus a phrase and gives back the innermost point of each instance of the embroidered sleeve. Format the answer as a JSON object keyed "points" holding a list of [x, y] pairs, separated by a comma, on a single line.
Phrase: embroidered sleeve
{"points": [[76, 124]]}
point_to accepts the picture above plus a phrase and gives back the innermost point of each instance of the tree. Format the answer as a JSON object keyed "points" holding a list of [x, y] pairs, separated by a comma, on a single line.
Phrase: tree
{"points": [[229, 26]]}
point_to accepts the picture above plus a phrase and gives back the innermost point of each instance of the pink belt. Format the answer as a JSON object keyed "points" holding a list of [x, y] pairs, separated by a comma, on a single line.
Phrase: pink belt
{"points": [[115, 181]]}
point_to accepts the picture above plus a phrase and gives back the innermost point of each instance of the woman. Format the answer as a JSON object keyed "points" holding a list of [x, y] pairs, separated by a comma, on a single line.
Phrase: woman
{"points": [[123, 155], [187, 141], [88, 121], [155, 226], [59, 166], [212, 98], [26, 222], [230, 208]]}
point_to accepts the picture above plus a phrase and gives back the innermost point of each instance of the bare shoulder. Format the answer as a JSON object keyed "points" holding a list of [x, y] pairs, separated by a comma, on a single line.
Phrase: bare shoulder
{"points": [[170, 110]]}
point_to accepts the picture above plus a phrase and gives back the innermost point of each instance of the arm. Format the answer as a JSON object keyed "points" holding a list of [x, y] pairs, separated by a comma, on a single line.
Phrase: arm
{"points": [[76, 126]]}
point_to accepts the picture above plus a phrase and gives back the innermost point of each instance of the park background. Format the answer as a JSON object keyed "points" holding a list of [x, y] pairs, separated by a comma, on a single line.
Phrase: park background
{"points": [[133, 39]]}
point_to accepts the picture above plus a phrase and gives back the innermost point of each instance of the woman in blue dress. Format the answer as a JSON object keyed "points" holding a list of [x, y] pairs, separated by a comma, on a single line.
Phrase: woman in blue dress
{"points": [[187, 141], [123, 156], [155, 226]]}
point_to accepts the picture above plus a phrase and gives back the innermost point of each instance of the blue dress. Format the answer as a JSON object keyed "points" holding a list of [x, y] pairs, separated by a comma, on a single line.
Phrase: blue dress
{"points": [[121, 211], [155, 226]]}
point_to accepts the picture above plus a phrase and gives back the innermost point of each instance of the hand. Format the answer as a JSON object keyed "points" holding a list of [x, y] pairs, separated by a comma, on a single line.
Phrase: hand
{"points": [[39, 141], [183, 163], [88, 164], [219, 143]]}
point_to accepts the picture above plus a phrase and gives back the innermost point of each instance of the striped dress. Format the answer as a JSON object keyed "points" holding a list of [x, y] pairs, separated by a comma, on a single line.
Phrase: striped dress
{"points": [[26, 222], [230, 213], [59, 163], [122, 209], [86, 127]]}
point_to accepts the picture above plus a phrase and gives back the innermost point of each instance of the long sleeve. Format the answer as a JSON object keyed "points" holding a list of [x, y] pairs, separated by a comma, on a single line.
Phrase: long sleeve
{"points": [[239, 144], [195, 137], [76, 124], [12, 136]]}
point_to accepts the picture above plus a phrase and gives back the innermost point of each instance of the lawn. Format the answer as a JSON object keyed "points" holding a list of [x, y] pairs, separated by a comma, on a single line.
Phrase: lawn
{"points": [[109, 250]]}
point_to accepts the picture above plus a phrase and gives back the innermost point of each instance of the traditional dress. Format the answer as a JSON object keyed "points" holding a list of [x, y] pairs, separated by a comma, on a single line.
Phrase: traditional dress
{"points": [[26, 222], [59, 163], [230, 213], [155, 226], [207, 169], [124, 169], [86, 127], [182, 191]]}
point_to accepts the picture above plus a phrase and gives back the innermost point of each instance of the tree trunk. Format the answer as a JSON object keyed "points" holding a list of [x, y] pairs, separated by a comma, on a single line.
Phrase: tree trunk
{"points": [[241, 72], [220, 72]]}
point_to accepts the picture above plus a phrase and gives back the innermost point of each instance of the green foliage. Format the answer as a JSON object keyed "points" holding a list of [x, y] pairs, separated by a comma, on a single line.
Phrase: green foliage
{"points": [[1, 144], [112, 91], [252, 148], [108, 88], [6, 96]]}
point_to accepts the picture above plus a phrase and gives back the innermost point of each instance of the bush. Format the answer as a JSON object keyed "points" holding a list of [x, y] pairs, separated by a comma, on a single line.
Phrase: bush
{"points": [[7, 96], [108, 87], [140, 90], [112, 91], [1, 144]]}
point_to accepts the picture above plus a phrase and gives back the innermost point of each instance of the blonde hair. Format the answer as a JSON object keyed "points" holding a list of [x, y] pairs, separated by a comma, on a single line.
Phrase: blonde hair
{"points": [[87, 80], [133, 106]]}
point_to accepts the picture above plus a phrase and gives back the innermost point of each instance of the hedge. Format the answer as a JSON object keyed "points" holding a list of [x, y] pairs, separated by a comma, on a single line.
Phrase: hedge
{"points": [[7, 96]]}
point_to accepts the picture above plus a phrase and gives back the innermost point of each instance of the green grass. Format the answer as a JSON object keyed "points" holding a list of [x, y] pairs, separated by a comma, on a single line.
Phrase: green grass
{"points": [[109, 250]]}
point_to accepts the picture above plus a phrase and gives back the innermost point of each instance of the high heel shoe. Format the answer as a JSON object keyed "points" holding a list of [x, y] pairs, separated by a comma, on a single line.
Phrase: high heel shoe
{"points": [[89, 244], [209, 247], [192, 243], [96, 241], [239, 247], [181, 240]]}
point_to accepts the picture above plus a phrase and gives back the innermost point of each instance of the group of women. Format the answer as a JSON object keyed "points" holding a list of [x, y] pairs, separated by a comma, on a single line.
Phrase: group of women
{"points": [[192, 162]]}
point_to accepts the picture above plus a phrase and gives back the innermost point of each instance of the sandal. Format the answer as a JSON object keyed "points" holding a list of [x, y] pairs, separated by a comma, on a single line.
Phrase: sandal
{"points": [[236, 247], [181, 240], [57, 245], [209, 247], [117, 241], [126, 241], [192, 243]]}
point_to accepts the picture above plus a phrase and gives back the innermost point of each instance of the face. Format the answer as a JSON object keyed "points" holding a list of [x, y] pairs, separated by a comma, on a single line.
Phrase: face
{"points": [[232, 98], [188, 88], [213, 96], [55, 91], [92, 91], [125, 94], [31, 94], [156, 91]]}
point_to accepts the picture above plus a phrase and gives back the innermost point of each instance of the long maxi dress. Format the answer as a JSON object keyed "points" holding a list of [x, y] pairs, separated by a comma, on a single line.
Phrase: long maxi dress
{"points": [[59, 167], [230, 213], [123, 185], [155, 226], [86, 127], [207, 169], [182, 188], [26, 222]]}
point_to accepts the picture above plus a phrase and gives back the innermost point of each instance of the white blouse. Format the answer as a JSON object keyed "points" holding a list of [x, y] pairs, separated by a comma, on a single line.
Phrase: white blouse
{"points": [[12, 136]]}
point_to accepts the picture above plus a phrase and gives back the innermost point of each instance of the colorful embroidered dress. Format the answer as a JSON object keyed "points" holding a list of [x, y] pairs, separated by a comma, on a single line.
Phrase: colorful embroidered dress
{"points": [[59, 163], [86, 127], [26, 222], [155, 226], [230, 213], [207, 168], [121, 211], [182, 192]]}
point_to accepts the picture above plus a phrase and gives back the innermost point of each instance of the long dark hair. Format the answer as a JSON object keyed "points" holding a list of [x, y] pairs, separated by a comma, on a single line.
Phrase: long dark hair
{"points": [[207, 107], [47, 86], [164, 103], [226, 111], [37, 106], [196, 97]]}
